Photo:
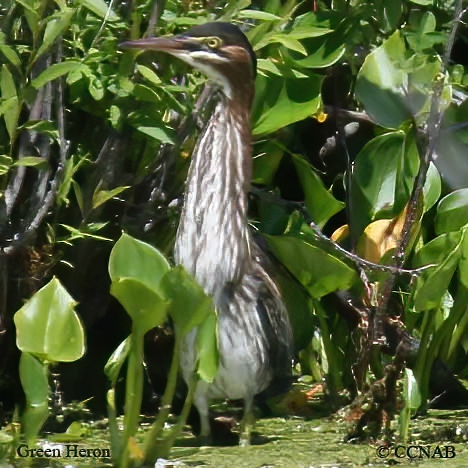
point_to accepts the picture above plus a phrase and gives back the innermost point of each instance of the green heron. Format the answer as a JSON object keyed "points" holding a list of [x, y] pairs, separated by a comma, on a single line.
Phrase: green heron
{"points": [[213, 240]]}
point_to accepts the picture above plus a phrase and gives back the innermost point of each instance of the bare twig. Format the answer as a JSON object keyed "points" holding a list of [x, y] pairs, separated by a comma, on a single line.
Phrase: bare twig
{"points": [[339, 251], [433, 130]]}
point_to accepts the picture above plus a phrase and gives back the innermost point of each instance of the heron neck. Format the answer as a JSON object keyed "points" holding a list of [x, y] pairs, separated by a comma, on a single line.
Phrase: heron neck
{"points": [[213, 237]]}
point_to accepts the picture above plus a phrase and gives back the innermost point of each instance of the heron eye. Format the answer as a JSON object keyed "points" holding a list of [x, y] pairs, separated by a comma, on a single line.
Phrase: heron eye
{"points": [[213, 42]]}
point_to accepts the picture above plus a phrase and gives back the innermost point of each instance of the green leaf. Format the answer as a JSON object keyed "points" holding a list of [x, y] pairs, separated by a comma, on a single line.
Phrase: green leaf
{"points": [[149, 74], [377, 176], [48, 326], [190, 305], [283, 39], [394, 89], [207, 348], [55, 27], [9, 53], [432, 187], [95, 88], [308, 25], [322, 51], [55, 71], [411, 394], [463, 265], [101, 196], [319, 272], [42, 126], [5, 164], [282, 101], [157, 133], [100, 9], [33, 376], [116, 361], [320, 203], [145, 306], [452, 212], [9, 94], [258, 15], [30, 161], [444, 253], [266, 164], [145, 93], [132, 258]]}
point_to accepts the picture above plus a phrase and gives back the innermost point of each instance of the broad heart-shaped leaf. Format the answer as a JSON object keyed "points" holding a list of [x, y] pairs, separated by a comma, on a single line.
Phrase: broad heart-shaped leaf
{"points": [[116, 361], [146, 307], [444, 253], [48, 327], [190, 305], [382, 178], [320, 203], [207, 348], [132, 258], [33, 376], [452, 212], [318, 271], [392, 88], [281, 101]]}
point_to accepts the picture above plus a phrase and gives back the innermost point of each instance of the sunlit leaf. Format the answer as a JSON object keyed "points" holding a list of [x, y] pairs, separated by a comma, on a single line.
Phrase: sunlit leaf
{"points": [[258, 15], [207, 348], [55, 71], [157, 133], [319, 272], [452, 212], [9, 53], [145, 306], [282, 101], [48, 326], [395, 89], [55, 27], [443, 253], [100, 9], [10, 97], [320, 203], [102, 196], [34, 380], [132, 258], [149, 74], [30, 161], [115, 362], [190, 305]]}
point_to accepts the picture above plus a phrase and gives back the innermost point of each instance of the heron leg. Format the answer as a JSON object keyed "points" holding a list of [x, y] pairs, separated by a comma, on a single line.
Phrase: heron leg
{"points": [[247, 422], [201, 403]]}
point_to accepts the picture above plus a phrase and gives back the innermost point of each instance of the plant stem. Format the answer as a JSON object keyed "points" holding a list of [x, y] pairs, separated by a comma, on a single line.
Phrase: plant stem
{"points": [[133, 392], [334, 375], [151, 445]]}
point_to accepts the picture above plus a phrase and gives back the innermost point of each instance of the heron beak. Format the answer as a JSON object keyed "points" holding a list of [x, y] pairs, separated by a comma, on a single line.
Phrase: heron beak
{"points": [[171, 45]]}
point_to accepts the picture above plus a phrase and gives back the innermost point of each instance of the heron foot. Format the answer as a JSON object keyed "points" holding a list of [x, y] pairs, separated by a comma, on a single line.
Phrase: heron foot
{"points": [[247, 424]]}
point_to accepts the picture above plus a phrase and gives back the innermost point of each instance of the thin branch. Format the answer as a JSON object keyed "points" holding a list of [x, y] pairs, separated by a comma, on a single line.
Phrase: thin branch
{"points": [[333, 246], [433, 130]]}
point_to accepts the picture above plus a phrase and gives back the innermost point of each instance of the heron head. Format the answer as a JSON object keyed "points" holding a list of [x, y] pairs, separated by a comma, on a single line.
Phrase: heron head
{"points": [[219, 50]]}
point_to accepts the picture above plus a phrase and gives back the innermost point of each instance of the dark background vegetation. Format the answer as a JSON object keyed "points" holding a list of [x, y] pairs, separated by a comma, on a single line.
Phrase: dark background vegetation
{"points": [[95, 141]]}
